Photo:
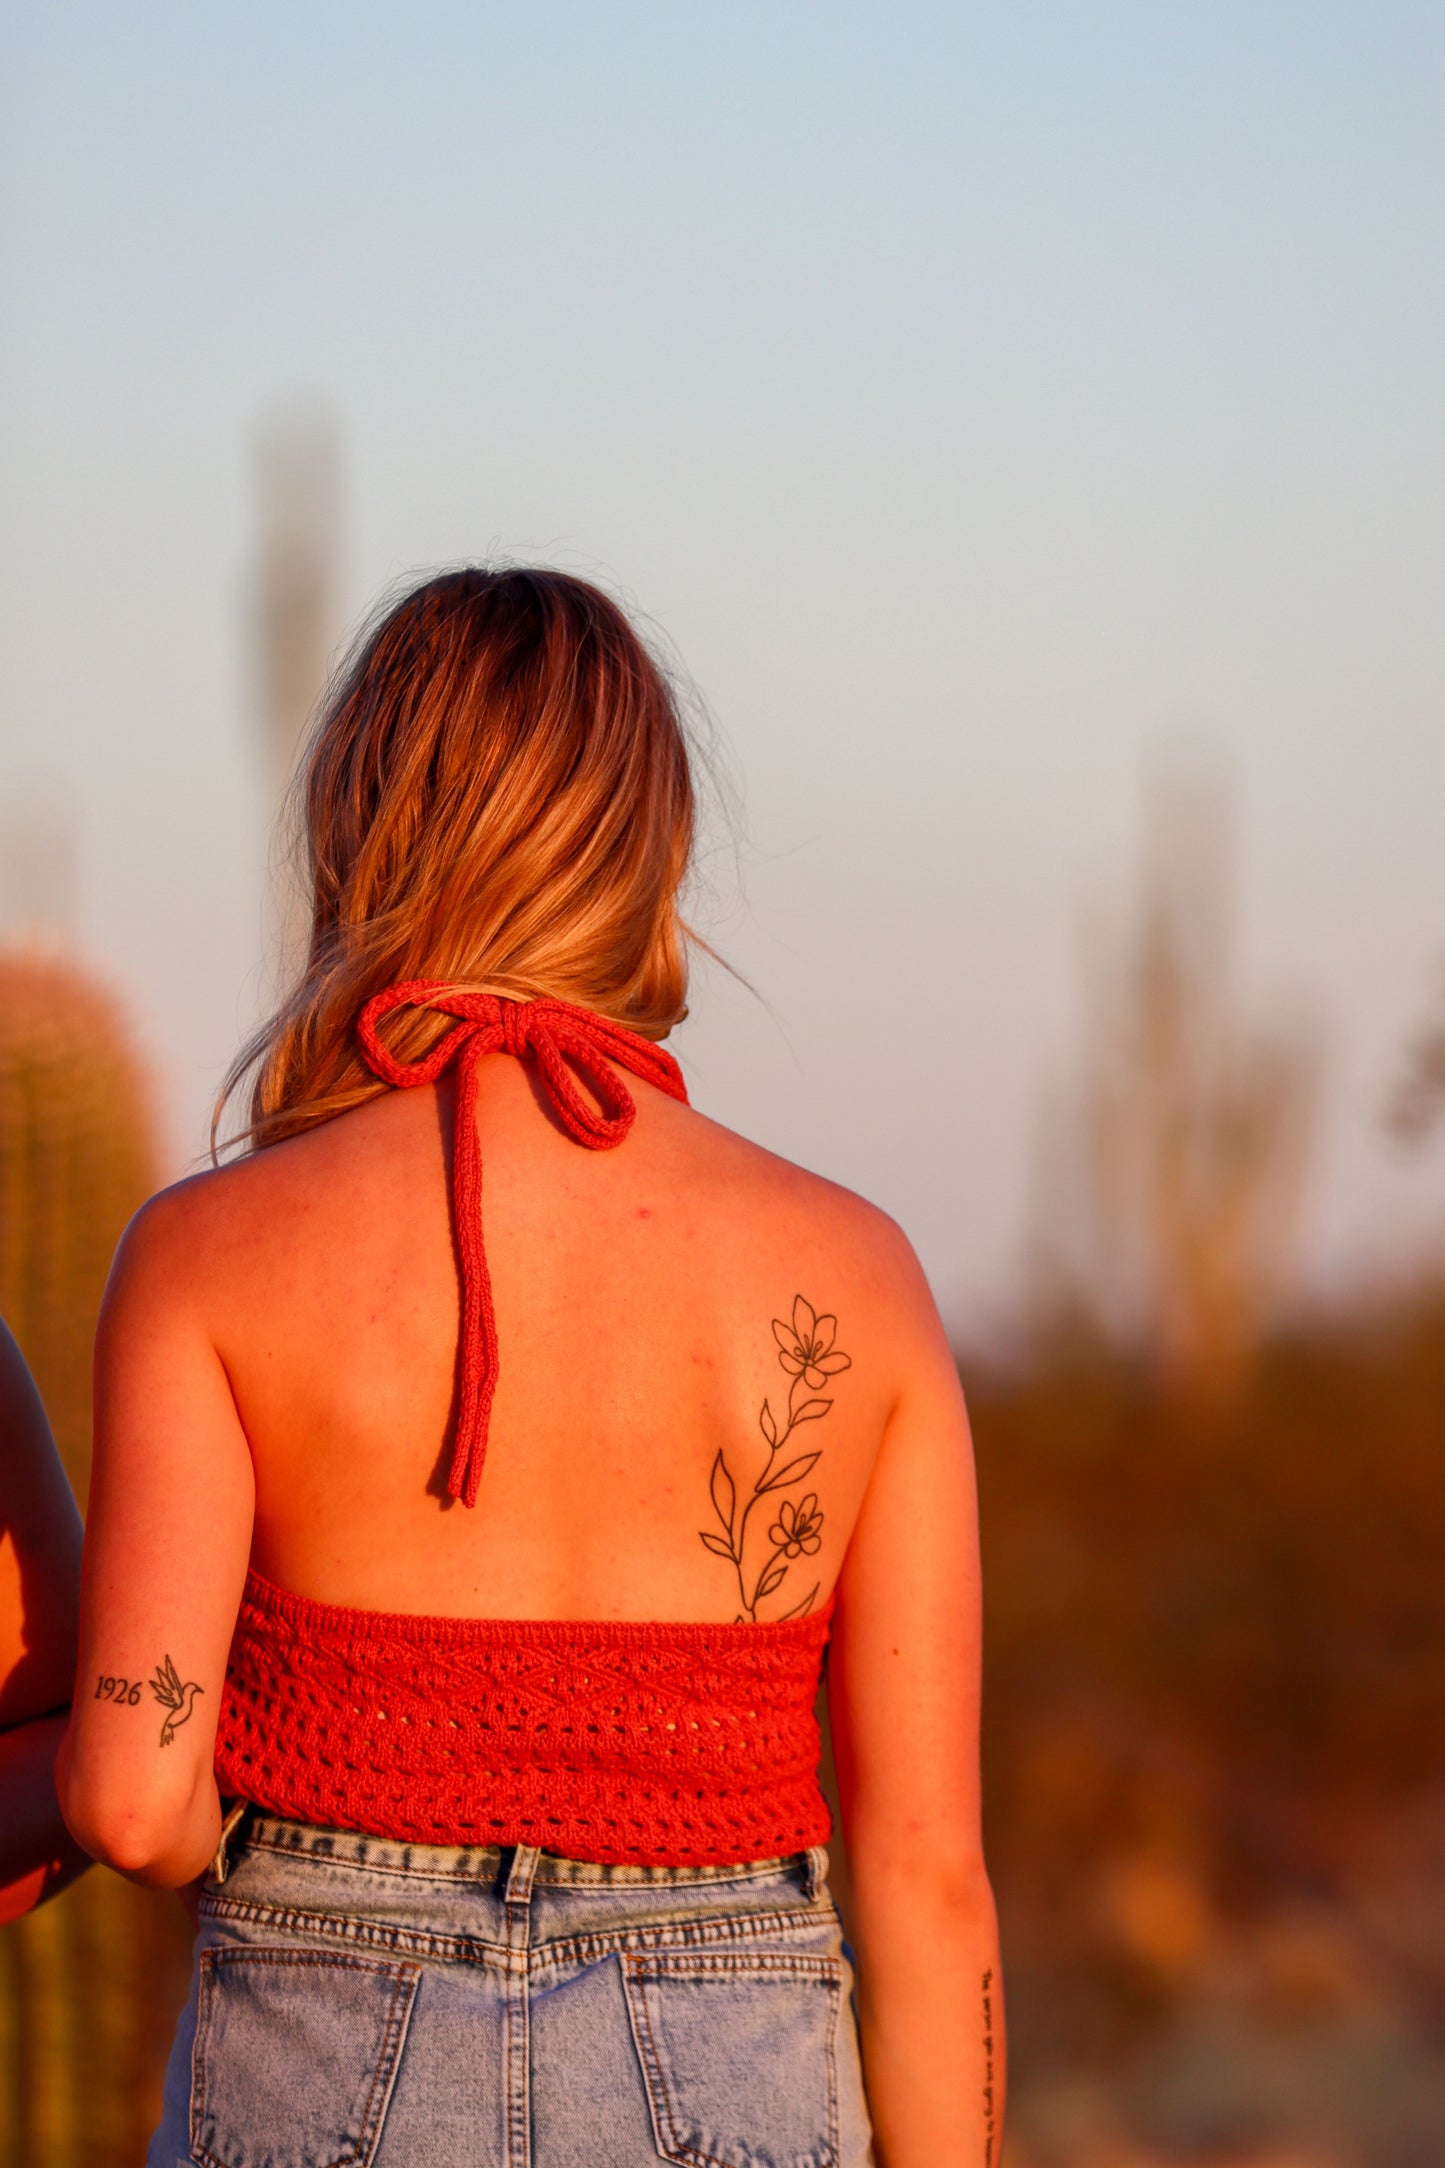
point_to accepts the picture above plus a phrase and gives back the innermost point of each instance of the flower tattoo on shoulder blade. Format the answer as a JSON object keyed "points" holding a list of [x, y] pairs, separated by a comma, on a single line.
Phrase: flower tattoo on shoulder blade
{"points": [[811, 1360]]}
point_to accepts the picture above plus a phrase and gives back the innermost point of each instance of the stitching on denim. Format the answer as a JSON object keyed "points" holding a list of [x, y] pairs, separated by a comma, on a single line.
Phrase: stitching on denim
{"points": [[507, 2002], [616, 1875], [723, 1964], [257, 1953], [641, 1878], [659, 2099], [724, 1927], [198, 2050], [336, 1927], [835, 1999], [392, 2035], [368, 1866], [733, 1964], [542, 1958], [680, 2151], [518, 2042], [404, 1979]]}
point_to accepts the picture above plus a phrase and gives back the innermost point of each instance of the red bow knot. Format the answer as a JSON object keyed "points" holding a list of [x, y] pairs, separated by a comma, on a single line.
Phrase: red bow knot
{"points": [[567, 1042]]}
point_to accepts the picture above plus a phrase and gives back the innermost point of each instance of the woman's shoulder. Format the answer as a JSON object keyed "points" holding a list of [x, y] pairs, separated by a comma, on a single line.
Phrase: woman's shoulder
{"points": [[335, 1186], [177, 1227], [760, 1187], [209, 1214]]}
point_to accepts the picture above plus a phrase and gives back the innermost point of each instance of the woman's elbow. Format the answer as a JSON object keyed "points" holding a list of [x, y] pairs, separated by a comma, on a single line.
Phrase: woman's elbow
{"points": [[947, 1884], [958, 1883], [135, 1836], [116, 1835]]}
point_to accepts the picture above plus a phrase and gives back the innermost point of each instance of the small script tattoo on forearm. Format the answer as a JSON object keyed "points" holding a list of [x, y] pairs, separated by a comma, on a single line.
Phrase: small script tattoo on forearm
{"points": [[807, 1353], [176, 1696], [990, 2121]]}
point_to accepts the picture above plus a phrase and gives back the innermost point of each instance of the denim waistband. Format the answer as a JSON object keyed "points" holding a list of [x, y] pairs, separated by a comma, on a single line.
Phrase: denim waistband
{"points": [[512, 1870]]}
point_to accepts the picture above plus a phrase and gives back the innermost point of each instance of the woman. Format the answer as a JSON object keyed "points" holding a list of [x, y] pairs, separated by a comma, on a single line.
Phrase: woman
{"points": [[39, 1591], [490, 1570]]}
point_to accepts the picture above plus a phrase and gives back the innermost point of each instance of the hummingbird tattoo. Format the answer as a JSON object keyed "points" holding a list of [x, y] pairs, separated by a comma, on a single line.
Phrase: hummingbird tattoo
{"points": [[171, 1694]]}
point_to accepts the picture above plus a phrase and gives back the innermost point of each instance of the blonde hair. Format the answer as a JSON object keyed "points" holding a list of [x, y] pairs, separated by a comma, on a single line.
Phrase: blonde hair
{"points": [[497, 794]]}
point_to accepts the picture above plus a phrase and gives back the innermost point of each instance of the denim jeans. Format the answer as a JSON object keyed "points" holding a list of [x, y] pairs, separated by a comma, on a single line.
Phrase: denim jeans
{"points": [[357, 2003]]}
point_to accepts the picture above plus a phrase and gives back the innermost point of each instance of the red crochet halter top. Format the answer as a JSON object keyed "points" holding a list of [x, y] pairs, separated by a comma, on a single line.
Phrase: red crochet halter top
{"points": [[620, 1741]]}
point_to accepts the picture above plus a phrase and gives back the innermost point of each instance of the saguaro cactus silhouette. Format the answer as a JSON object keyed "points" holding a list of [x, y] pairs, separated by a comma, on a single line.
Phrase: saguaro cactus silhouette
{"points": [[1417, 1102], [293, 629], [89, 1984], [1176, 1167]]}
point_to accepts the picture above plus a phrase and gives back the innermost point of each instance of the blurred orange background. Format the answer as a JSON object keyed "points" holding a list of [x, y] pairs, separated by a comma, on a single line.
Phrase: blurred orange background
{"points": [[1026, 430]]}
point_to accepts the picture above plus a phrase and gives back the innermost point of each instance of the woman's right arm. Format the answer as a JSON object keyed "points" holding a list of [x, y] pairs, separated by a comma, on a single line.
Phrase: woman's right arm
{"points": [[40, 1539], [167, 1538], [903, 1694]]}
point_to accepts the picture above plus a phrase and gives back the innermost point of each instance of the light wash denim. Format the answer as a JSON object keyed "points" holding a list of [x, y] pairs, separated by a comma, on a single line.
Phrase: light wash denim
{"points": [[357, 2003]]}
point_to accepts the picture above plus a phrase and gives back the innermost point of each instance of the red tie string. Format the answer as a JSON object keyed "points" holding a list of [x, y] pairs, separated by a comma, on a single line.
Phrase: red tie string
{"points": [[567, 1042]]}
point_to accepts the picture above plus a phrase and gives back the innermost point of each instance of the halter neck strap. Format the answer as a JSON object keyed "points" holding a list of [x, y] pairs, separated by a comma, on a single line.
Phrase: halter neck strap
{"points": [[567, 1043]]}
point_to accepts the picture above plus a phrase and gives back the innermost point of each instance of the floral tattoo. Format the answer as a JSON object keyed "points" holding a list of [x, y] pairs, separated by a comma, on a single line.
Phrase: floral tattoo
{"points": [[806, 1352]]}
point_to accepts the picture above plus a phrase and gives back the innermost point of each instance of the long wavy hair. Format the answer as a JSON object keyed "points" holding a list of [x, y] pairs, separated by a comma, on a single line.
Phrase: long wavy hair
{"points": [[496, 794]]}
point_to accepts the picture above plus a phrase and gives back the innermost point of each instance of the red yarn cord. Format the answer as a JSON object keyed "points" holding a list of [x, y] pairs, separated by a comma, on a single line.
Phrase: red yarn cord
{"points": [[567, 1043]]}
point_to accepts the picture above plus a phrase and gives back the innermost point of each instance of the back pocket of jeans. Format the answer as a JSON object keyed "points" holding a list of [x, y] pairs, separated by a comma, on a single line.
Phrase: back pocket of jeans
{"points": [[738, 2055], [296, 2053]]}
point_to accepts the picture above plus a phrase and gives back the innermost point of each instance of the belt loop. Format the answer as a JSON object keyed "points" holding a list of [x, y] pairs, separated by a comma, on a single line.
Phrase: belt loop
{"points": [[520, 1876], [815, 1873], [235, 1815]]}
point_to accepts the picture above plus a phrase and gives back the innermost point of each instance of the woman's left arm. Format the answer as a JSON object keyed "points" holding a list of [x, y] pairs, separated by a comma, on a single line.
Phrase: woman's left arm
{"points": [[167, 1541]]}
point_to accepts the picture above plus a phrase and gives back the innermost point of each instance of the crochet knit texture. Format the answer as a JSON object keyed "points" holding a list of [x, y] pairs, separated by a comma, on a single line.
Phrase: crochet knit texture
{"points": [[677, 1745]]}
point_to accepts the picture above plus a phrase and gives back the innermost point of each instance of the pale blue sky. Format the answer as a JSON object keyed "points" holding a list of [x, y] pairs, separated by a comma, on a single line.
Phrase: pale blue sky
{"points": [[979, 398]]}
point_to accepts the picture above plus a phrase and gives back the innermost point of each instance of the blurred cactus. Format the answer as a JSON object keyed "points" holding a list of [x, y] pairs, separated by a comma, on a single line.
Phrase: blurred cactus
{"points": [[90, 1984], [77, 1155], [1418, 1100], [298, 466], [1176, 1167]]}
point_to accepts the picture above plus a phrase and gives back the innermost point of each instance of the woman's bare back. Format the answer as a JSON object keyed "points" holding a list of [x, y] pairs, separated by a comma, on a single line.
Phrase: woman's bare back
{"points": [[681, 1321]]}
